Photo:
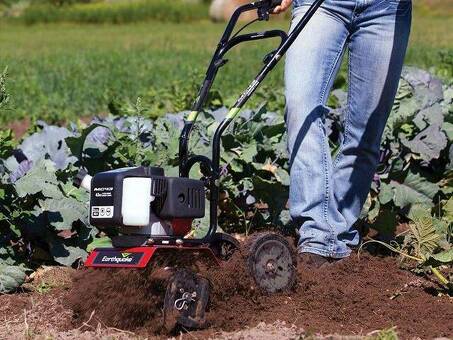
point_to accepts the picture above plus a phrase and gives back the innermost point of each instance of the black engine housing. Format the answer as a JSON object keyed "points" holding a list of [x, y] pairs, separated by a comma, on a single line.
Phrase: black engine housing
{"points": [[175, 197]]}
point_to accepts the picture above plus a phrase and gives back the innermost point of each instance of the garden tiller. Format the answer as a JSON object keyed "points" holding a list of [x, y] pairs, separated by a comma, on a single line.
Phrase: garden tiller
{"points": [[153, 213]]}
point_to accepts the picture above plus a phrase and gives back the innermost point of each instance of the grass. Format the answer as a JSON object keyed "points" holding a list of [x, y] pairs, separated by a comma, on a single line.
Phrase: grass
{"points": [[64, 71], [116, 12], [59, 71]]}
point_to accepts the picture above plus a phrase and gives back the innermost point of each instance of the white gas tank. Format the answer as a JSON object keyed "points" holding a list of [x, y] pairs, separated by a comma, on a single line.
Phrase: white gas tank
{"points": [[136, 201]]}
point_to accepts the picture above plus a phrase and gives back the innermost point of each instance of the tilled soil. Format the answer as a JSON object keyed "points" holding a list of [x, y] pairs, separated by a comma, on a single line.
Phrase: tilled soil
{"points": [[355, 296]]}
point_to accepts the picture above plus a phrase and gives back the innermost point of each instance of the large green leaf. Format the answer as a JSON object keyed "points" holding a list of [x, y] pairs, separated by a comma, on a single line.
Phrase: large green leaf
{"points": [[248, 153], [419, 211], [428, 143], [448, 210], [11, 278], [414, 190], [7, 255], [70, 190], [385, 223], [76, 144], [385, 193], [67, 255], [100, 242], [442, 229], [65, 211], [444, 257], [431, 116], [402, 113], [448, 129], [40, 178]]}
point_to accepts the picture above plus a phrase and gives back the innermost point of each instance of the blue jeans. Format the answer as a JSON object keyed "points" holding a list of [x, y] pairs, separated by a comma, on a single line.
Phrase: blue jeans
{"points": [[327, 195]]}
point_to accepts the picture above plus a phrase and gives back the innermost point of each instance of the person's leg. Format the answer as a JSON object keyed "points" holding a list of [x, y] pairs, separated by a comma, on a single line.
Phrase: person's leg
{"points": [[311, 66], [376, 54]]}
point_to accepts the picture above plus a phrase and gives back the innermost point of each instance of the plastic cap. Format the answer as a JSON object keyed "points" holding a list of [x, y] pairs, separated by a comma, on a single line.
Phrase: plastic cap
{"points": [[77, 181]]}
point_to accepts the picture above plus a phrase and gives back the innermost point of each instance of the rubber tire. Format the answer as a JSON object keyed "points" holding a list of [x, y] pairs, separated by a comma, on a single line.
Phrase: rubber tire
{"points": [[254, 246]]}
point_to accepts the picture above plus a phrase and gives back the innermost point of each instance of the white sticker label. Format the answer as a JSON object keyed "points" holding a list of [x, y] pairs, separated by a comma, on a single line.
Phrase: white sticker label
{"points": [[103, 192], [102, 212]]}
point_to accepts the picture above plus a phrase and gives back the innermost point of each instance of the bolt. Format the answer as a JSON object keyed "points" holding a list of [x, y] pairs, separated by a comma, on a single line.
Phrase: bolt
{"points": [[270, 266]]}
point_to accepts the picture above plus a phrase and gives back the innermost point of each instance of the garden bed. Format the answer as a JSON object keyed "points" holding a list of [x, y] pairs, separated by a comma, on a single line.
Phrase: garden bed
{"points": [[354, 297]]}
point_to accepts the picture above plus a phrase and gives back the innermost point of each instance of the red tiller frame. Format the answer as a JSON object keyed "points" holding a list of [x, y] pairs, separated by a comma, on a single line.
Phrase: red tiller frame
{"points": [[146, 252]]}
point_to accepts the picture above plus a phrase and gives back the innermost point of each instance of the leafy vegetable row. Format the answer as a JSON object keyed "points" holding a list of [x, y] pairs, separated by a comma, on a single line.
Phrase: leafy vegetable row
{"points": [[43, 218]]}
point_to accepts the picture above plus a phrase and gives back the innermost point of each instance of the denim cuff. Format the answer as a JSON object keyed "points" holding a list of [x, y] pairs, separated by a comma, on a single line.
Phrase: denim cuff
{"points": [[324, 252]]}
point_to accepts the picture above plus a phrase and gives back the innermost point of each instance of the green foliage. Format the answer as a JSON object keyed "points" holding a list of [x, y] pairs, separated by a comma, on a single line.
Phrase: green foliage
{"points": [[425, 243], [4, 95], [44, 219], [415, 167], [422, 240], [110, 65], [116, 13], [60, 3], [385, 334], [414, 179], [445, 66], [176, 97], [8, 2], [7, 143], [110, 80], [11, 277], [100, 242]]}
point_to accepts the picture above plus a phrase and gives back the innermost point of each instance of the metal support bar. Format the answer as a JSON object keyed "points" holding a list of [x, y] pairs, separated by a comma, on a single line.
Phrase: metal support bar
{"points": [[226, 44]]}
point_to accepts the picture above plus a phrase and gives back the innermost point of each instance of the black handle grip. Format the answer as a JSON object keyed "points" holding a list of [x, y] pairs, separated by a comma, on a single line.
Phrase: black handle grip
{"points": [[270, 4], [266, 7], [275, 3]]}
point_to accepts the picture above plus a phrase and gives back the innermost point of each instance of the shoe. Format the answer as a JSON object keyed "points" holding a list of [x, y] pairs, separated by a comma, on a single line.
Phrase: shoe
{"points": [[313, 260]]}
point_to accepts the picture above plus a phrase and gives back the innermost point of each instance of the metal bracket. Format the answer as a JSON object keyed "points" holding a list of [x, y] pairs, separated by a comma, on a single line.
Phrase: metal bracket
{"points": [[185, 300]]}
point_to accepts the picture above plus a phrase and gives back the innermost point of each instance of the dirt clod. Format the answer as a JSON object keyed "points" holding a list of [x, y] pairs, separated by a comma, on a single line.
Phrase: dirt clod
{"points": [[121, 298]]}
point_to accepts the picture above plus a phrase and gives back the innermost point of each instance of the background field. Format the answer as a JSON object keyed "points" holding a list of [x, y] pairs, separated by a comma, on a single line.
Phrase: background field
{"points": [[62, 71]]}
